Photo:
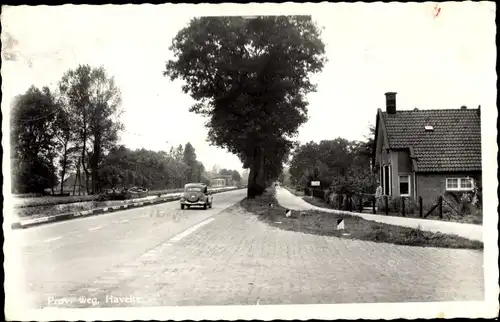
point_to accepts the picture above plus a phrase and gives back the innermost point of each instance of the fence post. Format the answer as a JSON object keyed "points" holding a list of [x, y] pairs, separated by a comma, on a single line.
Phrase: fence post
{"points": [[403, 206], [360, 203], [420, 201], [386, 205], [374, 205], [350, 203], [441, 207]]}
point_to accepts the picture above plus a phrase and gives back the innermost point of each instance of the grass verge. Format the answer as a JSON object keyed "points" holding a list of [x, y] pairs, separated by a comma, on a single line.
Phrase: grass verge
{"points": [[475, 219], [325, 224]]}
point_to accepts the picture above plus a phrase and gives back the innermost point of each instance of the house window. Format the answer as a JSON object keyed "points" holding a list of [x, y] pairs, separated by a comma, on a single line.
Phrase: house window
{"points": [[404, 185], [451, 184], [459, 184]]}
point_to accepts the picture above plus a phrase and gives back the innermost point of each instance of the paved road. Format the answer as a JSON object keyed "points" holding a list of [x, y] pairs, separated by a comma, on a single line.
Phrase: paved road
{"points": [[59, 257], [232, 258], [470, 231]]}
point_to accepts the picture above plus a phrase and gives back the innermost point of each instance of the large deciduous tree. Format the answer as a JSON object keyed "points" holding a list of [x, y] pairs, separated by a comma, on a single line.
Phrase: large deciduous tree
{"points": [[93, 99], [66, 139], [236, 176], [246, 75], [33, 143]]}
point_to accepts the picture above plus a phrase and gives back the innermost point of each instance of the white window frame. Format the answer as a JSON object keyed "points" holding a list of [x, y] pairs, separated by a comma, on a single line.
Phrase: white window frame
{"points": [[390, 180], [459, 181], [409, 185]]}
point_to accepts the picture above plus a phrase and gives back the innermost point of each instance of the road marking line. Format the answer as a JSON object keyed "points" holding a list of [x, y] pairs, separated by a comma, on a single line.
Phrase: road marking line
{"points": [[190, 230], [52, 239], [95, 228], [149, 254], [125, 220]]}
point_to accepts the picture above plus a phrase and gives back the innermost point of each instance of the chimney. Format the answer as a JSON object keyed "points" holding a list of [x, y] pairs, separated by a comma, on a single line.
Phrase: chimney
{"points": [[390, 102], [463, 107]]}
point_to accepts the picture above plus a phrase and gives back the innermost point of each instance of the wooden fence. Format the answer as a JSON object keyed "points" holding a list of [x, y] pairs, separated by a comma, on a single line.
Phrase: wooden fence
{"points": [[348, 203]]}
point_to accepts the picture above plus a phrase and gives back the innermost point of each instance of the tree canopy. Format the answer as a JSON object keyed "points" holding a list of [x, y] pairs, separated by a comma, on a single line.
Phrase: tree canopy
{"points": [[93, 99], [33, 140], [55, 133], [245, 74], [339, 164]]}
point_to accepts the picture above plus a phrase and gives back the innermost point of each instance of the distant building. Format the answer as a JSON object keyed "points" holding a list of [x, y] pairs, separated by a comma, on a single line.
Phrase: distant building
{"points": [[222, 181], [427, 153]]}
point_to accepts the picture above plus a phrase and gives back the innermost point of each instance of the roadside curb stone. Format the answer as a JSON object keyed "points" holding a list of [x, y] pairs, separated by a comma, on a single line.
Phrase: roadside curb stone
{"points": [[98, 211]]}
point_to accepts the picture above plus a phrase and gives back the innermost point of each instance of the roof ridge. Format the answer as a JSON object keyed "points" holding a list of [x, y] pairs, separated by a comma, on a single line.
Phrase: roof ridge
{"points": [[437, 110]]}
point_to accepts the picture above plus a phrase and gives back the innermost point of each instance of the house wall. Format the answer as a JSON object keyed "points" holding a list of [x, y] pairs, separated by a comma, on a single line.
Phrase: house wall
{"points": [[431, 186], [399, 162], [400, 165], [404, 162]]}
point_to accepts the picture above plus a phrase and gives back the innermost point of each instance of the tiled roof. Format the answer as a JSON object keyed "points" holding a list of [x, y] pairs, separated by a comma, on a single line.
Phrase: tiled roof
{"points": [[453, 145]]}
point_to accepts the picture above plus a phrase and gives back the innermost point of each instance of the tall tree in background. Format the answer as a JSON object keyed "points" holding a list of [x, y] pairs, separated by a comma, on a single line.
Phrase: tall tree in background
{"points": [[236, 176], [245, 75], [93, 99], [189, 158], [33, 143], [65, 136], [342, 165]]}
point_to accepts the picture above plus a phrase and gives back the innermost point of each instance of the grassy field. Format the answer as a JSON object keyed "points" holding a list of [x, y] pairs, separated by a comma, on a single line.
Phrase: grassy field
{"points": [[476, 219], [325, 224]]}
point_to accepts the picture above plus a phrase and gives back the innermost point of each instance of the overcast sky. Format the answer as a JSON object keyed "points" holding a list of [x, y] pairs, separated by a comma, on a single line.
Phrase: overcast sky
{"points": [[433, 62]]}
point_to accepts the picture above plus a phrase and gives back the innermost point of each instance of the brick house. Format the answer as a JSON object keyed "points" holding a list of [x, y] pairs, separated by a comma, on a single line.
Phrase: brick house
{"points": [[427, 153]]}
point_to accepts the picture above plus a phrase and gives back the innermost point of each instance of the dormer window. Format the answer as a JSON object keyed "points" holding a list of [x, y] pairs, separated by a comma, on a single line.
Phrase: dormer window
{"points": [[429, 128]]}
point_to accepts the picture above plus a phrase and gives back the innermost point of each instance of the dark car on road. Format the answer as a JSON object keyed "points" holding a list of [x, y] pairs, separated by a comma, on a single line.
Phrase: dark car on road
{"points": [[196, 194]]}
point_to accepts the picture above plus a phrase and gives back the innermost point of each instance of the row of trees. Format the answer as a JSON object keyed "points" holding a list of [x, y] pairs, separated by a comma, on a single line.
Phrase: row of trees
{"points": [[74, 130], [53, 130], [340, 165], [250, 77], [152, 169]]}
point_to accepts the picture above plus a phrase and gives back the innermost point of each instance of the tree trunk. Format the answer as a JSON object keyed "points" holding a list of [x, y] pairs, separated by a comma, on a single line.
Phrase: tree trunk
{"points": [[94, 163], [256, 180], [76, 174], [85, 169], [63, 170]]}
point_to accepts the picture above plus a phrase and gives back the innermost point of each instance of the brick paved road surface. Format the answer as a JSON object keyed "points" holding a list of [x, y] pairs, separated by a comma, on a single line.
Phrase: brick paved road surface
{"points": [[234, 259], [53, 259]]}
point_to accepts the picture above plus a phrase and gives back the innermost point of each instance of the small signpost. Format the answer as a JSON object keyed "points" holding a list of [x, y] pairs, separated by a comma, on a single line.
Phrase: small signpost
{"points": [[315, 183]]}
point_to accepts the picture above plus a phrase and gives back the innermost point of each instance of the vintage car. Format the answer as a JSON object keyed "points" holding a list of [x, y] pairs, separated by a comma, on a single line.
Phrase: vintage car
{"points": [[196, 194]]}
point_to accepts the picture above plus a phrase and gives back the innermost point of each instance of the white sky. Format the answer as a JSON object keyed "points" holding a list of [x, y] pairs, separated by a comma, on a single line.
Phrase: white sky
{"points": [[432, 62]]}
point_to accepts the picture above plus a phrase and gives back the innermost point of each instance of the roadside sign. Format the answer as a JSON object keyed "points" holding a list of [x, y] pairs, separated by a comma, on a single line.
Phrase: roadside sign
{"points": [[315, 183]]}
